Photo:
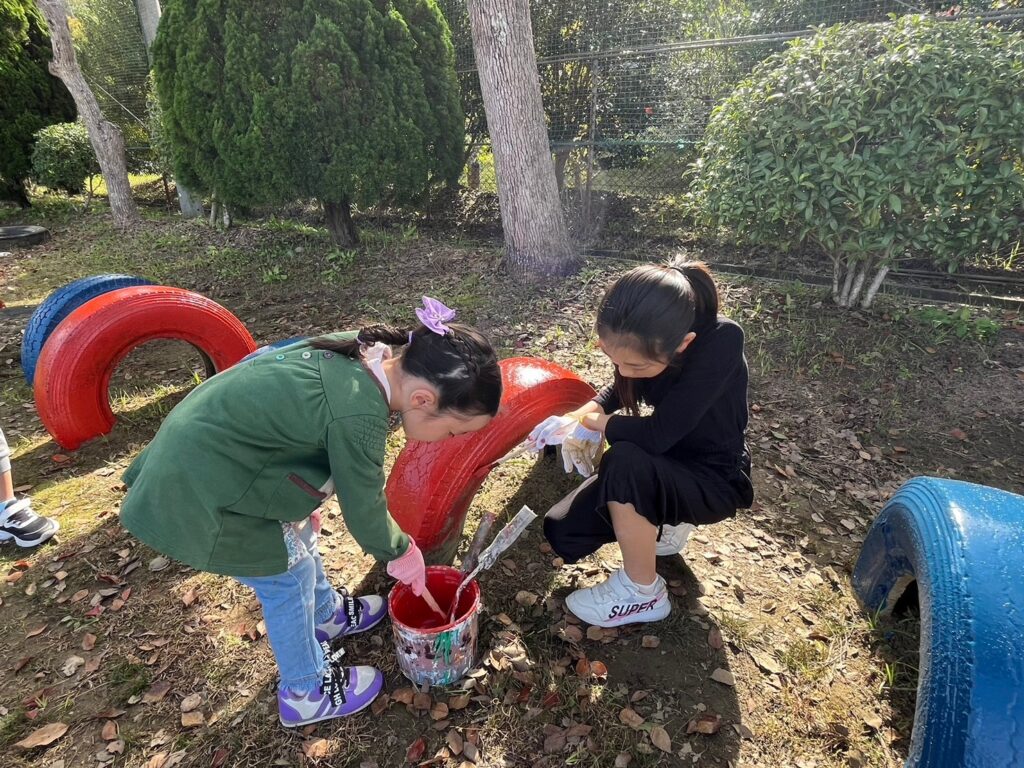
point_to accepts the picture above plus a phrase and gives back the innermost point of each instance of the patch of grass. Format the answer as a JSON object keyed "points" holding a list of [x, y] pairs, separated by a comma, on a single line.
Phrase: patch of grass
{"points": [[128, 679], [13, 726], [805, 659]]}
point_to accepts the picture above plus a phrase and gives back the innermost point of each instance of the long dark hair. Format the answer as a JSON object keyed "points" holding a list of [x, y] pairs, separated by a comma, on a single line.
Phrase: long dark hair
{"points": [[652, 308], [461, 364]]}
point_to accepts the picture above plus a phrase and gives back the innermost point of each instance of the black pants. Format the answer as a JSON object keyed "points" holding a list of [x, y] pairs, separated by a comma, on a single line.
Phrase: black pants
{"points": [[664, 490]]}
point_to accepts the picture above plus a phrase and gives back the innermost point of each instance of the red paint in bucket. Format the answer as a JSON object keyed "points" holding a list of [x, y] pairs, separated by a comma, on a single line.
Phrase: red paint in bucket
{"points": [[431, 649]]}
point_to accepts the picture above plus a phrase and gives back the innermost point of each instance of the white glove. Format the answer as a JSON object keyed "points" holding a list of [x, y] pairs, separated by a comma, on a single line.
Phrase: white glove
{"points": [[581, 449], [552, 431]]}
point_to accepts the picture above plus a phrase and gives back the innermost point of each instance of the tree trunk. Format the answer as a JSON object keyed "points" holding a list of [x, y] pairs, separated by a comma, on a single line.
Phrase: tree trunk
{"points": [[105, 137], [338, 217], [149, 19], [536, 238]]}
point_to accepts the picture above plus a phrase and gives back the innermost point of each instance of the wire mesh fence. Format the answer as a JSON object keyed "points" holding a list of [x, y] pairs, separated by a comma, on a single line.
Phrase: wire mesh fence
{"points": [[112, 54], [628, 87]]}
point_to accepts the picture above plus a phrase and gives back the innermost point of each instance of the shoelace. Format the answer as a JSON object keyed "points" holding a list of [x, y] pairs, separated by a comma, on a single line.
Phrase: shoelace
{"points": [[336, 677], [353, 608]]}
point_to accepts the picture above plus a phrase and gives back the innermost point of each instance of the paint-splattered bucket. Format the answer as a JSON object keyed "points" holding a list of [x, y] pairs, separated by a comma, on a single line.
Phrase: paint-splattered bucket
{"points": [[430, 650]]}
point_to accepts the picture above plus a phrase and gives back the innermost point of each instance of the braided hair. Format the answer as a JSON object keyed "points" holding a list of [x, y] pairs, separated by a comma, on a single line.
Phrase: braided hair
{"points": [[461, 364]]}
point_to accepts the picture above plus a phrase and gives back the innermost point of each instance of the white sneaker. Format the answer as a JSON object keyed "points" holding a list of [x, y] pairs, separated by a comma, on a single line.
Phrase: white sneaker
{"points": [[617, 601], [673, 539]]}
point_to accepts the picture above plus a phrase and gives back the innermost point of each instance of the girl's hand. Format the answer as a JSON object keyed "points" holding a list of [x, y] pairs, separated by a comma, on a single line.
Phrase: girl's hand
{"points": [[595, 421], [410, 569], [551, 431]]}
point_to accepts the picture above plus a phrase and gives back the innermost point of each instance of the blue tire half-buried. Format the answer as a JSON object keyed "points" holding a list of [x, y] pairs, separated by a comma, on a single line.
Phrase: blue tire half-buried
{"points": [[963, 545]]}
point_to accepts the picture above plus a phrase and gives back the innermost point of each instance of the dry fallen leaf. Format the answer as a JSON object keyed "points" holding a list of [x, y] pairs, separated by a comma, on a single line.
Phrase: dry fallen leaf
{"points": [[595, 633], [715, 638], [459, 702], [650, 641], [380, 705], [571, 633], [156, 692], [415, 751], [220, 757], [421, 701], [598, 670], [439, 711], [189, 597], [723, 676], [192, 719], [705, 724], [116, 747], [71, 665], [629, 716], [660, 739], [192, 701], [315, 749], [36, 631], [159, 760], [109, 731], [455, 742], [88, 642], [623, 759], [43, 737]]}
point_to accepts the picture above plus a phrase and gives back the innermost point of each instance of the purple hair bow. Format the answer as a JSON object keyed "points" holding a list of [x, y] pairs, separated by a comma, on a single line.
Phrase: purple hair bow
{"points": [[434, 315]]}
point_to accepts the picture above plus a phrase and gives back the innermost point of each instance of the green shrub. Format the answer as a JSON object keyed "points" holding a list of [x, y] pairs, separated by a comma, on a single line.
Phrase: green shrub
{"points": [[30, 97], [63, 158], [873, 141]]}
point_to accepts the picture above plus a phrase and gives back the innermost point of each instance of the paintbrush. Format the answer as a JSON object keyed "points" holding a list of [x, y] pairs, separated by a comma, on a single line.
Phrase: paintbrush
{"points": [[429, 600], [506, 538]]}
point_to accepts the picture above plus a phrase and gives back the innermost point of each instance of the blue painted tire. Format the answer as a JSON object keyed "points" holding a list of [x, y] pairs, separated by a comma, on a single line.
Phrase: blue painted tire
{"points": [[961, 544], [59, 305], [268, 347]]}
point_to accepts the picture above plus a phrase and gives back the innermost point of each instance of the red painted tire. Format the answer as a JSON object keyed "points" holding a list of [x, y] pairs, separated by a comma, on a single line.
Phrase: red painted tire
{"points": [[432, 484], [74, 368]]}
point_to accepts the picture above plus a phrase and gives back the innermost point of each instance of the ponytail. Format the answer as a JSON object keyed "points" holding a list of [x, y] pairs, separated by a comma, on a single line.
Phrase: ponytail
{"points": [[653, 308], [460, 364], [705, 292]]}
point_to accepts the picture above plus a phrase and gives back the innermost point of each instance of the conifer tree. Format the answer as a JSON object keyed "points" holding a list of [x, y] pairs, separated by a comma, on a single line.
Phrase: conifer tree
{"points": [[346, 101], [30, 97]]}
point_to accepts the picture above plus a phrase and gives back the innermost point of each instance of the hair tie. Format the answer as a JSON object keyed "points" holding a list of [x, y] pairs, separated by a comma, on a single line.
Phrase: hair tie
{"points": [[433, 316]]}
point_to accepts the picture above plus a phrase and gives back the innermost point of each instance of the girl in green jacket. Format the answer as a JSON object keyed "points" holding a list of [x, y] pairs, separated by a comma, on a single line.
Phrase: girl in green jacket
{"points": [[232, 478]]}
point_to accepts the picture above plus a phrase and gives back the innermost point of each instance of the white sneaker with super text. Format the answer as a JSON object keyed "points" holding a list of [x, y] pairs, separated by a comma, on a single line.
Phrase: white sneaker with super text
{"points": [[617, 601]]}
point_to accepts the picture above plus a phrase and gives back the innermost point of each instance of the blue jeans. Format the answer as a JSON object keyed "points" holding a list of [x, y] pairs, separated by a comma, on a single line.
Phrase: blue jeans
{"points": [[294, 602]]}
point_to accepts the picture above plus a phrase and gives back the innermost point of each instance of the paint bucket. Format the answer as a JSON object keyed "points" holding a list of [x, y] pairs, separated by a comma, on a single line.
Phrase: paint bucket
{"points": [[432, 651]]}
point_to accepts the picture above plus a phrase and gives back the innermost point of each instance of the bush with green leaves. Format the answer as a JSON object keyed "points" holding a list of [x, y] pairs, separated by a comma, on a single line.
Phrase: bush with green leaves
{"points": [[30, 97], [63, 158], [346, 101], [874, 142]]}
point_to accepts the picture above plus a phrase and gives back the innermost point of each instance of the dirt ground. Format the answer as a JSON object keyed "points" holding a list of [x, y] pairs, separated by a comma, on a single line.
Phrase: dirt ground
{"points": [[766, 645]]}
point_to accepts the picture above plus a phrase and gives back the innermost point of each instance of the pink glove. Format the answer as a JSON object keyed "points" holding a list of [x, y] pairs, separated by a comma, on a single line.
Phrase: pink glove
{"points": [[410, 569]]}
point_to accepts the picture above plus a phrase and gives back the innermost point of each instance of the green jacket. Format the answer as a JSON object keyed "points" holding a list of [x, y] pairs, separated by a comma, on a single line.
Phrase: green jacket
{"points": [[250, 448]]}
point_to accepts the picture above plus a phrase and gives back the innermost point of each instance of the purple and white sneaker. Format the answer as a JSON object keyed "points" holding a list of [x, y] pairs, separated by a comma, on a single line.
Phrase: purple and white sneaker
{"points": [[354, 615], [343, 692]]}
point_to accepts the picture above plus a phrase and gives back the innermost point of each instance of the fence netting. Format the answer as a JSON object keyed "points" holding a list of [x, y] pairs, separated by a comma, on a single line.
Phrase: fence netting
{"points": [[628, 86]]}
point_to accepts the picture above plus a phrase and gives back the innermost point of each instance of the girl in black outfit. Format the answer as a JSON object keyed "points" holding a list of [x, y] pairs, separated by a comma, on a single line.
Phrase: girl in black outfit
{"points": [[683, 465]]}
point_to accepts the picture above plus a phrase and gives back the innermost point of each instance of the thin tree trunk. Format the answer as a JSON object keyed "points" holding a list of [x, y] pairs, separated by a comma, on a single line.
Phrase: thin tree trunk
{"points": [[836, 269], [536, 237], [105, 137], [338, 217], [869, 297], [858, 284], [149, 19], [851, 268]]}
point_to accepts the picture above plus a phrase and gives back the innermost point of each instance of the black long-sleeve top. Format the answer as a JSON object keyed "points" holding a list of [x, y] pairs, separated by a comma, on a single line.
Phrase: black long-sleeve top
{"points": [[699, 401]]}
